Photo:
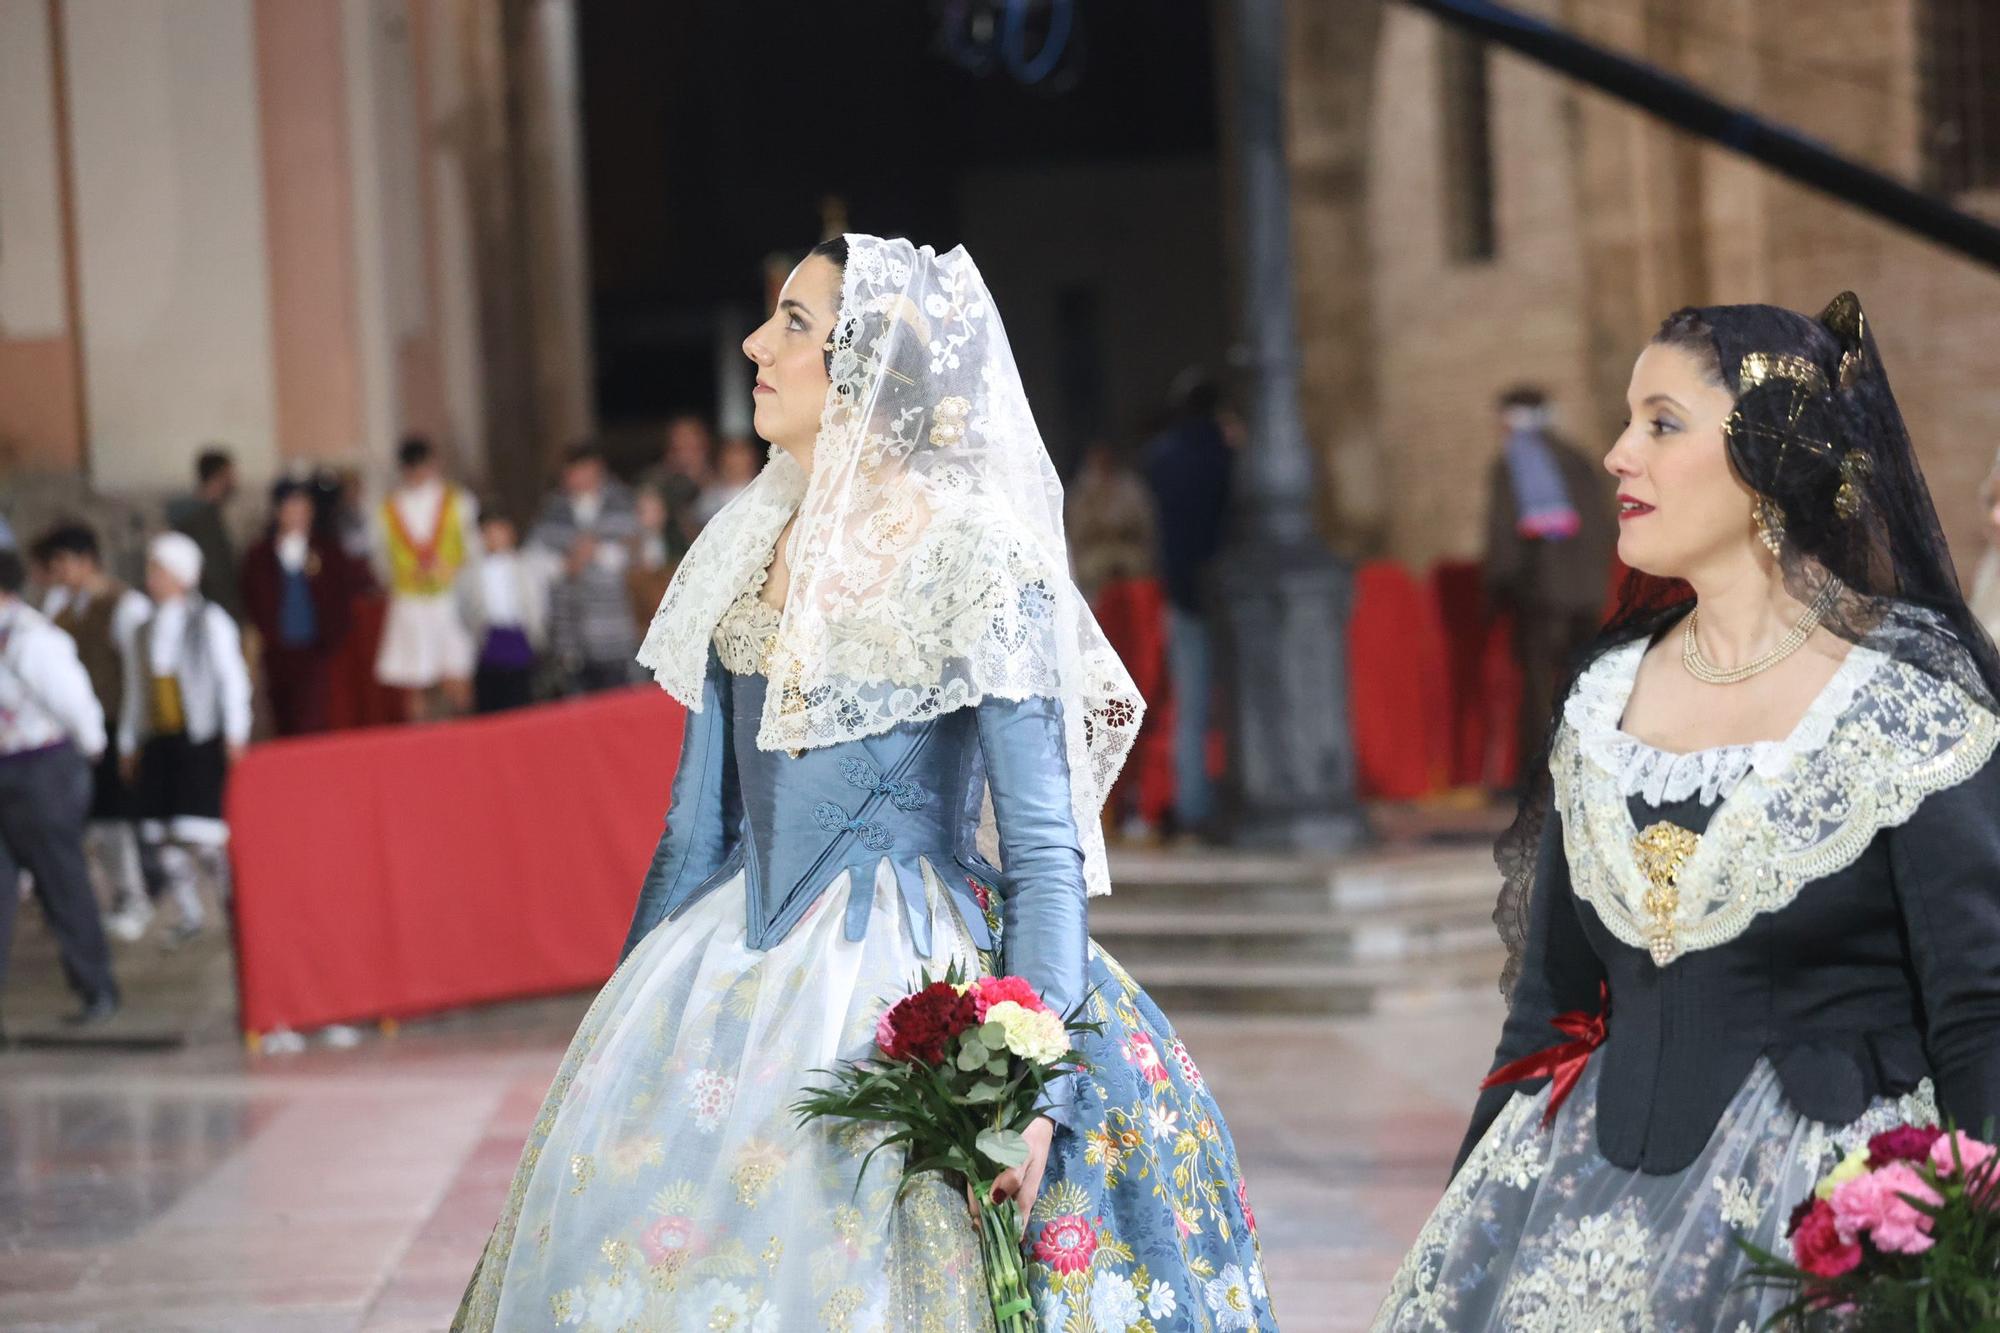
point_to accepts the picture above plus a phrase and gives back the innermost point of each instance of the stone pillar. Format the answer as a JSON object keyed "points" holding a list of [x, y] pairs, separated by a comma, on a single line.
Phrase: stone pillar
{"points": [[1284, 595], [519, 145], [550, 147]]}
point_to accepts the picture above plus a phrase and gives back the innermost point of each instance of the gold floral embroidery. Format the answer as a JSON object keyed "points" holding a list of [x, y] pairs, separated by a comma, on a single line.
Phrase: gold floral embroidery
{"points": [[584, 1170], [1661, 850], [757, 1167]]}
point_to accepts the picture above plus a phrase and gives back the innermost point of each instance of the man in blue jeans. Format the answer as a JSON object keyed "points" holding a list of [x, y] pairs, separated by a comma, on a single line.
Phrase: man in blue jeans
{"points": [[1188, 469]]}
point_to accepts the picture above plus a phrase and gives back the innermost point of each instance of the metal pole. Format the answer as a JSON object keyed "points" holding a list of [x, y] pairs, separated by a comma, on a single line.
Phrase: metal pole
{"points": [[1284, 596], [1686, 107]]}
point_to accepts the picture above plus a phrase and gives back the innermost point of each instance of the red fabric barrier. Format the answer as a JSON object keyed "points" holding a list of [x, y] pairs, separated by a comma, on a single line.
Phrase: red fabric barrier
{"points": [[1500, 703], [1398, 685], [406, 870], [1461, 601], [1133, 616]]}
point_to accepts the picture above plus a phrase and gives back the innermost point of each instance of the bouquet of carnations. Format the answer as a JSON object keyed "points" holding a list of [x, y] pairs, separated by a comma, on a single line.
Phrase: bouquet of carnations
{"points": [[958, 1074], [1903, 1235]]}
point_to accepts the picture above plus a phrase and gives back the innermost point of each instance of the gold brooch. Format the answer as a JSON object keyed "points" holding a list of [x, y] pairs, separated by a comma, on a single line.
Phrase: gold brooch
{"points": [[1662, 850]]}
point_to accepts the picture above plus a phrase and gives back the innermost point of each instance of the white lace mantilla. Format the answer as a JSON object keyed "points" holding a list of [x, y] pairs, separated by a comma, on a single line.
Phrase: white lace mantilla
{"points": [[928, 565], [1880, 737]]}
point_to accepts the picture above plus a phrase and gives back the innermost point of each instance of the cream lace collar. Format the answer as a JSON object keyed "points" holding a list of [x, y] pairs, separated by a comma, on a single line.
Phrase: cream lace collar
{"points": [[1881, 736], [1596, 709]]}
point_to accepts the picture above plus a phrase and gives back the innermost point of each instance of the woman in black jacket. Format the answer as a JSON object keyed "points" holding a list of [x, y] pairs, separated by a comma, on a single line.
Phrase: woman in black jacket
{"points": [[1755, 916]]}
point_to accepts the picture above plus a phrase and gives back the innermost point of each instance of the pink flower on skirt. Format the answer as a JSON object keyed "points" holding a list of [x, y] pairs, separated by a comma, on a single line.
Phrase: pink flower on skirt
{"points": [[1243, 1202], [1875, 1205], [1067, 1244], [1189, 1074], [1145, 1057], [666, 1236]]}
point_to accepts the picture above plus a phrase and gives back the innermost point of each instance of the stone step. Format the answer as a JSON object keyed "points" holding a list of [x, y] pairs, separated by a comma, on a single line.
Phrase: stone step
{"points": [[1323, 989], [1204, 881], [1195, 935]]}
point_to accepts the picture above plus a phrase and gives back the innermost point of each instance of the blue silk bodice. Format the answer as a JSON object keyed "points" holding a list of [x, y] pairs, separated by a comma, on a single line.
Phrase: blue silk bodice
{"points": [[913, 794]]}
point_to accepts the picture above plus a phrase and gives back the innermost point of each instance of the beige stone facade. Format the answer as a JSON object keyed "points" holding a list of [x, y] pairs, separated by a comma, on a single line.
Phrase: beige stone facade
{"points": [[1605, 221]]}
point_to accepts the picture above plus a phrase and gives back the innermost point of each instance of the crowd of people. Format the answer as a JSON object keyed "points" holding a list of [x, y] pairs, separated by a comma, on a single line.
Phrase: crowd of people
{"points": [[123, 708]]}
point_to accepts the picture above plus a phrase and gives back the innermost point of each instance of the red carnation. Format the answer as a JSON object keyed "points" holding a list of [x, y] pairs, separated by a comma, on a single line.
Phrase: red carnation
{"points": [[990, 991], [1904, 1143], [919, 1028], [1818, 1247]]}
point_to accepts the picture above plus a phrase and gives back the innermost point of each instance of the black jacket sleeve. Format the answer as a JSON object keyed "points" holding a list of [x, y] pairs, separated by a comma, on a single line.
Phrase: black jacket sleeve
{"points": [[1559, 972], [1946, 866]]}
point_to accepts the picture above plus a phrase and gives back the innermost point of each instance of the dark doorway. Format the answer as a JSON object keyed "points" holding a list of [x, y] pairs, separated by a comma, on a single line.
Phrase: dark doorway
{"points": [[718, 133]]}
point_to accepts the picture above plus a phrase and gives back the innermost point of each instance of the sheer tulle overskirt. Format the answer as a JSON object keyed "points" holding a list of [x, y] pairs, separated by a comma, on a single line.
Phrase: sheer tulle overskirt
{"points": [[1538, 1233], [667, 1185]]}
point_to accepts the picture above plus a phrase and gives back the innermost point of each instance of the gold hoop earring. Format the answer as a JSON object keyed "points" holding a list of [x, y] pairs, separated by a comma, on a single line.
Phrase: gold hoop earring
{"points": [[1770, 522]]}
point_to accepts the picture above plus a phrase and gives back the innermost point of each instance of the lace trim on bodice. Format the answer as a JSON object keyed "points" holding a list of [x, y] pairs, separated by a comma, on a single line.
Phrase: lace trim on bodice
{"points": [[748, 630], [1880, 737], [1596, 709]]}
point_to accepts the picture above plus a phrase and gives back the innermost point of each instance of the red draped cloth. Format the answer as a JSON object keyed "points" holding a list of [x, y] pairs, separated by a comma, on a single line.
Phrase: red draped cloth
{"points": [[1399, 685], [1133, 615], [407, 870]]}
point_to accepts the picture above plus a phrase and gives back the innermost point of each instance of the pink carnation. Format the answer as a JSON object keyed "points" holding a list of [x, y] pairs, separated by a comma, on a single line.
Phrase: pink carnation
{"points": [[1971, 1152], [1875, 1205], [989, 991]]}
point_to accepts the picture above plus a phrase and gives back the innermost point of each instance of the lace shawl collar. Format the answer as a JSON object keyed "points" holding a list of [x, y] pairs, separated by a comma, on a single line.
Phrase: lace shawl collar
{"points": [[1881, 736]]}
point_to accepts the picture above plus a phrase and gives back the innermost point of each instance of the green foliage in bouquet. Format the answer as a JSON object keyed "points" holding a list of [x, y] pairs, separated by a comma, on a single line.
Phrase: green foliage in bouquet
{"points": [[960, 1070], [1902, 1237]]}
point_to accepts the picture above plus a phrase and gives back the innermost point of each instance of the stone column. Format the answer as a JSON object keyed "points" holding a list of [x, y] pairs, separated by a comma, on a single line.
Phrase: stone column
{"points": [[1284, 596]]}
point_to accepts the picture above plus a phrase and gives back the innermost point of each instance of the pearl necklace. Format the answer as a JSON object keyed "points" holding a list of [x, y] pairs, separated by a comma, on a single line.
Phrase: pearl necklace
{"points": [[1703, 670]]}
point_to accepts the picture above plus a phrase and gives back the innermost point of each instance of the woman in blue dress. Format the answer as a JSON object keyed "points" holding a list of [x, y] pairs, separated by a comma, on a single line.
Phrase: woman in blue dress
{"points": [[902, 725]]}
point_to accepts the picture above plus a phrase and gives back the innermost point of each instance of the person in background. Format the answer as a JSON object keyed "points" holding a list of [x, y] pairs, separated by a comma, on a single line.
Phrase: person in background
{"points": [[589, 524], [505, 602], [51, 729], [736, 465], [685, 469], [1113, 539], [1108, 514], [653, 560], [427, 531], [204, 516], [1550, 527], [1986, 580], [298, 593], [1188, 468], [185, 721], [100, 614]]}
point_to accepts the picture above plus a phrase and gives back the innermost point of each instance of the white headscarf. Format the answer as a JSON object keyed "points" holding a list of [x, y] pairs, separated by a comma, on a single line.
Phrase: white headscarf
{"points": [[928, 567], [177, 553]]}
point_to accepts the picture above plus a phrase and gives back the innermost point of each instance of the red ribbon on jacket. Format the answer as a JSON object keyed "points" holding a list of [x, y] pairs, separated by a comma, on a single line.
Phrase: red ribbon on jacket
{"points": [[1563, 1064]]}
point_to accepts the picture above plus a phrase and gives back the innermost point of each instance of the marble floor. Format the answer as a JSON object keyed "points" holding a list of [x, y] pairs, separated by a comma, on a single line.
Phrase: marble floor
{"points": [[207, 1191]]}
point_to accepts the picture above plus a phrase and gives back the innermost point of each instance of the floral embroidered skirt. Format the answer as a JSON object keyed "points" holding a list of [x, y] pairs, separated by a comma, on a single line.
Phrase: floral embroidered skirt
{"points": [[1538, 1233], [667, 1186], [1144, 1223]]}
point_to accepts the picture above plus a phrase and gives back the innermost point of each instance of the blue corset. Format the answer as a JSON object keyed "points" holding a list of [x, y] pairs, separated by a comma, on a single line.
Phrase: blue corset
{"points": [[909, 795]]}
